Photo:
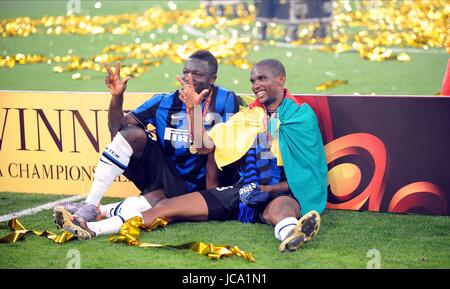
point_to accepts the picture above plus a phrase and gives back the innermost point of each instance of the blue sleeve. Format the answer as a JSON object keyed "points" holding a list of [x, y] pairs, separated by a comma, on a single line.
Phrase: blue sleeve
{"points": [[146, 112], [231, 104]]}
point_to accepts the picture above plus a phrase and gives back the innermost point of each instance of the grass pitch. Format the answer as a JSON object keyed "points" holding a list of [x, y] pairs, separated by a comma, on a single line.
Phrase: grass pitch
{"points": [[345, 240]]}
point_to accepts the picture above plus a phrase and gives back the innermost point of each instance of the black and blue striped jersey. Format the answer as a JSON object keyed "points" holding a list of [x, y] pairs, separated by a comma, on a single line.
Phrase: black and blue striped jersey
{"points": [[167, 113], [259, 166]]}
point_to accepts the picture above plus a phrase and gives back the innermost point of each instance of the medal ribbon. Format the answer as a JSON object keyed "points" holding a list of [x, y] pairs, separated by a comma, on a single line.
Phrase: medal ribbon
{"points": [[266, 122], [204, 112]]}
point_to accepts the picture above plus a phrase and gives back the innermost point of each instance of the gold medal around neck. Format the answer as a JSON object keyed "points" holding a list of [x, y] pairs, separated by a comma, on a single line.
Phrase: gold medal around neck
{"points": [[207, 117], [192, 149]]}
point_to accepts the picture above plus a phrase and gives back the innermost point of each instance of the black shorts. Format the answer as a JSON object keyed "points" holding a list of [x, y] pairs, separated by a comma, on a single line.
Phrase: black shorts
{"points": [[223, 203], [155, 171]]}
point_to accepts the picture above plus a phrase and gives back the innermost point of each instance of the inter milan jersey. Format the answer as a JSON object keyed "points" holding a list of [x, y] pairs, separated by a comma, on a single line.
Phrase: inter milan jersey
{"points": [[259, 165], [167, 113]]}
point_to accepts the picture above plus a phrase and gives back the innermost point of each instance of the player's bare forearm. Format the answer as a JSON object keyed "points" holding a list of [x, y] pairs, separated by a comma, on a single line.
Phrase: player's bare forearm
{"points": [[117, 87], [212, 173], [116, 119], [277, 188], [202, 141]]}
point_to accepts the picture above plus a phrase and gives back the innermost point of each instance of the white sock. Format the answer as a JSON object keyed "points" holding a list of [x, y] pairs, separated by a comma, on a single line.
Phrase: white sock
{"points": [[113, 224], [284, 227], [106, 227], [113, 162], [107, 210], [139, 204]]}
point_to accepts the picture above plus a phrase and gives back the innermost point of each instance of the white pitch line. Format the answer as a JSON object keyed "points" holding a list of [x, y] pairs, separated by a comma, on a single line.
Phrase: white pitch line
{"points": [[37, 209]]}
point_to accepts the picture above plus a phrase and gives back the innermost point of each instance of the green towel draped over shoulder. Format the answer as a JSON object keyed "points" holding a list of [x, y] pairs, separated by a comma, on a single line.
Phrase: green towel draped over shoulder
{"points": [[303, 154]]}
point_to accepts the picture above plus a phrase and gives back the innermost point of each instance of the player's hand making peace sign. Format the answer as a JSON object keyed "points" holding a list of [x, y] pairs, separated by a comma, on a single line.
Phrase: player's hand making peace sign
{"points": [[188, 95], [115, 85]]}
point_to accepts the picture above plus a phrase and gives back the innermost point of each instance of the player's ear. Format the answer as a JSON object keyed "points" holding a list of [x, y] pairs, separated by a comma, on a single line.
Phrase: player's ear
{"points": [[281, 80], [213, 79]]}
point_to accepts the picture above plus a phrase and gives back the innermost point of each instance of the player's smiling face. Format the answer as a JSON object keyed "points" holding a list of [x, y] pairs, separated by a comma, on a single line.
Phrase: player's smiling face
{"points": [[201, 75], [265, 86]]}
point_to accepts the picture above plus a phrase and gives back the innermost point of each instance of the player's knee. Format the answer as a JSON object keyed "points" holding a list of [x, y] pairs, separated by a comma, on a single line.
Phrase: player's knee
{"points": [[154, 197], [280, 209], [269, 216], [168, 206], [135, 136], [164, 203]]}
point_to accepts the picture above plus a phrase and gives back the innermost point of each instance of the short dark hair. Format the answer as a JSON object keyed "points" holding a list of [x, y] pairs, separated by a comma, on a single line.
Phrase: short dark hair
{"points": [[275, 66], [208, 57]]}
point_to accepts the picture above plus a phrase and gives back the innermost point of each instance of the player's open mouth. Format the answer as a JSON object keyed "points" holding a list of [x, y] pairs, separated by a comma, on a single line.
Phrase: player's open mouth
{"points": [[261, 93]]}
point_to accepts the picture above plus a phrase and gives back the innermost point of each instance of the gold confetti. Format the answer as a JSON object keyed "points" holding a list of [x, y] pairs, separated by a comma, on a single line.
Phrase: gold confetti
{"points": [[373, 27], [148, 55], [370, 28], [447, 41], [330, 84], [403, 57], [152, 19], [58, 69], [377, 54], [76, 76]]}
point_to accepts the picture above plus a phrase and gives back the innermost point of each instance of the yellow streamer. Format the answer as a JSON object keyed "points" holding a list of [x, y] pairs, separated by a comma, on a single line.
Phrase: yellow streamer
{"points": [[330, 84], [130, 233], [131, 230], [20, 231]]}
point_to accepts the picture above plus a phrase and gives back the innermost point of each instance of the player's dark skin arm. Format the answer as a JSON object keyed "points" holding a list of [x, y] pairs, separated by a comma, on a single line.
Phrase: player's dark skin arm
{"points": [[278, 188], [117, 120], [202, 141], [212, 172]]}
